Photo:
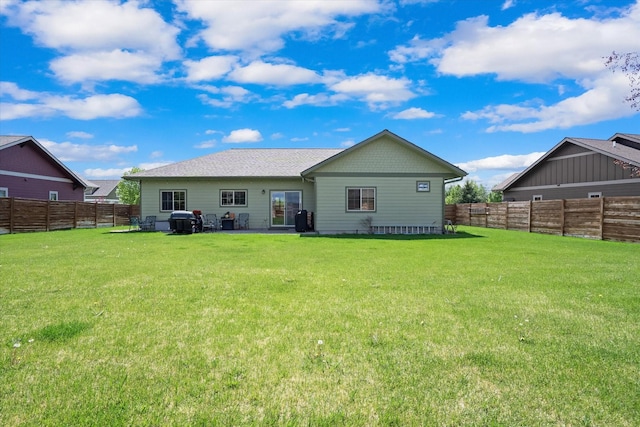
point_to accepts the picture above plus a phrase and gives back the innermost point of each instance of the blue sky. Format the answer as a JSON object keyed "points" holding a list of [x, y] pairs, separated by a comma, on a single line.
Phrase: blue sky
{"points": [[487, 85]]}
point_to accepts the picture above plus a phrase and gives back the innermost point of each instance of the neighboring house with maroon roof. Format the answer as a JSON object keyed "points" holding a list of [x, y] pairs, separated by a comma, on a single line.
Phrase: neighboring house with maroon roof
{"points": [[102, 191], [579, 168], [29, 170], [385, 178]]}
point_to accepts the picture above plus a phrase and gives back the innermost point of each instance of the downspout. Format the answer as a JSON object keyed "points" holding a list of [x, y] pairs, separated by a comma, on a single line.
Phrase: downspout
{"points": [[445, 182]]}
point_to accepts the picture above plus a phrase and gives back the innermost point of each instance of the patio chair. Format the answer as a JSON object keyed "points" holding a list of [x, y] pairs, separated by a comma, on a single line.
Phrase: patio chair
{"points": [[134, 223], [450, 227], [149, 223], [210, 222], [243, 221]]}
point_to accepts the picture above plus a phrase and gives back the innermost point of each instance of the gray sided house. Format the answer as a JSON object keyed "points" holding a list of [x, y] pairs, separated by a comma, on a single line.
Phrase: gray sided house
{"points": [[385, 178], [29, 170], [579, 168], [102, 191]]}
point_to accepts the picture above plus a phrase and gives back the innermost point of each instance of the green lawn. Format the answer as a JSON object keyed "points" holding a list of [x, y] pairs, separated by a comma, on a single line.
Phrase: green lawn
{"points": [[486, 327]]}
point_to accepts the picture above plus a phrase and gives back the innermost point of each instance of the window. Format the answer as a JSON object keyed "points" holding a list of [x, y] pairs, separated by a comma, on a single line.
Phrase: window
{"points": [[53, 196], [233, 198], [4, 192], [594, 195], [361, 199], [173, 200], [423, 186], [537, 197]]}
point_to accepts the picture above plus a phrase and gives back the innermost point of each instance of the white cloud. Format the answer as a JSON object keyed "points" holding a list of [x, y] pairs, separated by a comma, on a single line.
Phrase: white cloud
{"points": [[243, 135], [99, 40], [413, 113], [377, 91], [12, 90], [259, 72], [91, 107], [229, 96], [260, 27], [505, 161], [538, 48], [210, 68], [99, 173], [96, 106], [416, 50], [603, 101], [70, 152], [319, 100], [207, 144], [299, 139], [508, 4], [79, 135], [101, 66]]}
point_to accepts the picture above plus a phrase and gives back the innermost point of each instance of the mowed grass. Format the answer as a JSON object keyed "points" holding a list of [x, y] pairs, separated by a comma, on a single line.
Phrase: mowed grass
{"points": [[485, 327]]}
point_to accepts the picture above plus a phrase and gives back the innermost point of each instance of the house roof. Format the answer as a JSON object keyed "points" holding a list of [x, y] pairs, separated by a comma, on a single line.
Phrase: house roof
{"points": [[621, 146], [243, 162], [455, 171], [270, 162], [7, 141], [104, 187], [504, 184]]}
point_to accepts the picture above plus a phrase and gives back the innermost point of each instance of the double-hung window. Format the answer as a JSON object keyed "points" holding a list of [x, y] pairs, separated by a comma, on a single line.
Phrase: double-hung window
{"points": [[173, 200], [233, 198], [361, 199]]}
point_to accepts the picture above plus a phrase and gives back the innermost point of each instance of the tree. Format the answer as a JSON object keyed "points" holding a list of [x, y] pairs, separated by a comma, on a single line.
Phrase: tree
{"points": [[129, 191], [470, 192], [494, 197], [628, 63]]}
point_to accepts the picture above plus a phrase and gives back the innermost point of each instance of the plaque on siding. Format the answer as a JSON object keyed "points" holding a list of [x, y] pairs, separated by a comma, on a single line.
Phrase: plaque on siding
{"points": [[422, 186]]}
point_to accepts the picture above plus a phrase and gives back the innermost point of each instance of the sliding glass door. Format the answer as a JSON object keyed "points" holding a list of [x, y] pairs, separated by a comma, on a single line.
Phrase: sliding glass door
{"points": [[284, 207]]}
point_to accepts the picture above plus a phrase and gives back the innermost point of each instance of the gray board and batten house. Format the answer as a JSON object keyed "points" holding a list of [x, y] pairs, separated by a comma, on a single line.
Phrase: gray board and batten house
{"points": [[28, 170], [578, 168], [385, 178]]}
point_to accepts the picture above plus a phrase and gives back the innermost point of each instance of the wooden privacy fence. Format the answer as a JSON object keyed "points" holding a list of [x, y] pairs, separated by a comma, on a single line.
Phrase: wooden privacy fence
{"points": [[607, 218], [19, 215]]}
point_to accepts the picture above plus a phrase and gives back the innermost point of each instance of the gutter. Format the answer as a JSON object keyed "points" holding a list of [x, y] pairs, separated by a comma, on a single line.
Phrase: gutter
{"points": [[450, 181]]}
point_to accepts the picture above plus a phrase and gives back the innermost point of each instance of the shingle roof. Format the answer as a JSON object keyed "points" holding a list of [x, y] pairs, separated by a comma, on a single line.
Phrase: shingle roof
{"points": [[244, 162], [7, 140], [608, 147], [105, 187]]}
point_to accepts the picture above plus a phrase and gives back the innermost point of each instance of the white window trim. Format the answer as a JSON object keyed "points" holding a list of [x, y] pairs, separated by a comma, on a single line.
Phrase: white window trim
{"points": [[536, 197], [53, 196], [4, 192], [594, 195], [246, 196]]}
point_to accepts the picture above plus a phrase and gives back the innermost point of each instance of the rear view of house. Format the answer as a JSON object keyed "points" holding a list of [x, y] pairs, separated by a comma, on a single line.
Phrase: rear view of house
{"points": [[29, 170], [384, 183]]}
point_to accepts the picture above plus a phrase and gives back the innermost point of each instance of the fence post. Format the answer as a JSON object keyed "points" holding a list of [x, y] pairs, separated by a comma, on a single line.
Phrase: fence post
{"points": [[75, 214], [506, 216], [602, 218], [12, 214], [48, 215], [562, 217], [529, 220], [114, 214]]}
